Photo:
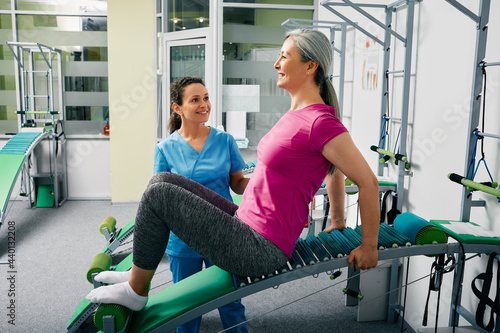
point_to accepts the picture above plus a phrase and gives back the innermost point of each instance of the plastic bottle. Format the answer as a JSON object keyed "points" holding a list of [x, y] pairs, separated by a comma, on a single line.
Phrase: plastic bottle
{"points": [[105, 130]]}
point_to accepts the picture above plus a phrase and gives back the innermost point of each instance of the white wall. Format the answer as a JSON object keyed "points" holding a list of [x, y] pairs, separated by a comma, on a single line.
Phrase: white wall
{"points": [[88, 165], [443, 66], [88, 168]]}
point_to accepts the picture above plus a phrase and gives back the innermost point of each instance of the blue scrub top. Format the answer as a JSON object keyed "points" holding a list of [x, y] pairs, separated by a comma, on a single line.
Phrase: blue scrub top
{"points": [[210, 167]]}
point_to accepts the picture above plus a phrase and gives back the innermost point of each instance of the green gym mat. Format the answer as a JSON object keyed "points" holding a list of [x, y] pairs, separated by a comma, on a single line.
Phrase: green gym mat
{"points": [[237, 199], [181, 297], [467, 232], [44, 197], [173, 301], [10, 165]]}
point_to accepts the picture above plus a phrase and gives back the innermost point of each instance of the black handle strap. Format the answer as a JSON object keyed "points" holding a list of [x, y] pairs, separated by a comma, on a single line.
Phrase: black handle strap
{"points": [[484, 300]]}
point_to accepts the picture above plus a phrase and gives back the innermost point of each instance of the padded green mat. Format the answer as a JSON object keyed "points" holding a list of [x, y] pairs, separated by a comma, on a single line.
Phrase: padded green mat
{"points": [[386, 183], [467, 232], [237, 199], [175, 300], [44, 197], [10, 165], [181, 297]]}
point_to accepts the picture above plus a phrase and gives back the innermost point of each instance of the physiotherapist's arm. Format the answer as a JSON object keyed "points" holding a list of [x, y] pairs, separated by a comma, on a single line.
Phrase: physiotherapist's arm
{"points": [[160, 162], [238, 182]]}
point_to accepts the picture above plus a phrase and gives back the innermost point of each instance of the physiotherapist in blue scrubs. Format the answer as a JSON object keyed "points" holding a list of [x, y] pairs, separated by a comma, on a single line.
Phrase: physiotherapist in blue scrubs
{"points": [[210, 157]]}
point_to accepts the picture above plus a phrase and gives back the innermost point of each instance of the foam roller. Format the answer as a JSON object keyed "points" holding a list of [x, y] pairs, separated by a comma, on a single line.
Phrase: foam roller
{"points": [[101, 262], [431, 235], [119, 312], [109, 222], [418, 230]]}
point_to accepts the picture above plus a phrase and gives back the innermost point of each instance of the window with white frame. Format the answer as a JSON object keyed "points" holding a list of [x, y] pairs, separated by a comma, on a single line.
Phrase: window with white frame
{"points": [[79, 30]]}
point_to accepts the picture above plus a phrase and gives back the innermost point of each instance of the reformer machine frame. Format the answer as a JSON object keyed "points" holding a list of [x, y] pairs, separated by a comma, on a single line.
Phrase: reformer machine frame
{"points": [[27, 98], [317, 268], [386, 44]]}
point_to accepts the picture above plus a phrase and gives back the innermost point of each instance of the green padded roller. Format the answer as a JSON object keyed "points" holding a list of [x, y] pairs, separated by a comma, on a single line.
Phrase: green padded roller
{"points": [[119, 312], [85, 305], [472, 185], [430, 235], [109, 222], [101, 262], [123, 232], [349, 182]]}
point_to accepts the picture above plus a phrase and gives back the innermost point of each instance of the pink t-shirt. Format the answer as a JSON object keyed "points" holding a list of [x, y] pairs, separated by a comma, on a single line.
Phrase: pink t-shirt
{"points": [[290, 170]]}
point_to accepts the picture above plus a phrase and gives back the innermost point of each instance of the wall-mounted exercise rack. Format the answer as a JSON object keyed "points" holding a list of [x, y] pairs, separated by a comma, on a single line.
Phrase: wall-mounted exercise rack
{"points": [[407, 42], [38, 68], [478, 81], [294, 23], [473, 134], [35, 100]]}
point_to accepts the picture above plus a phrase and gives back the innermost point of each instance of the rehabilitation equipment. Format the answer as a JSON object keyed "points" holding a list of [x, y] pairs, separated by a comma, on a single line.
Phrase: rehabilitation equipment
{"points": [[213, 287]]}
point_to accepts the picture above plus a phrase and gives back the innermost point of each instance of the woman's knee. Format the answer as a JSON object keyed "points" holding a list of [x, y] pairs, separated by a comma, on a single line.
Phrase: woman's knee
{"points": [[172, 178], [160, 177]]}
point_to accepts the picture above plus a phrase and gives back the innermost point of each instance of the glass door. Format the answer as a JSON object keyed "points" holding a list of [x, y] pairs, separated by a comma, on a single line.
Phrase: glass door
{"points": [[185, 54], [187, 60]]}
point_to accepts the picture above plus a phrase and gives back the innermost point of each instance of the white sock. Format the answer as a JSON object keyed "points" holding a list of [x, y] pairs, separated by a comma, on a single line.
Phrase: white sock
{"points": [[121, 293], [113, 277]]}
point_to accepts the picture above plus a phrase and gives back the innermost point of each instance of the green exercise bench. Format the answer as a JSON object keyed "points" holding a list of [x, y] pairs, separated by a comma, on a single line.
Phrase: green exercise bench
{"points": [[162, 307], [12, 157]]}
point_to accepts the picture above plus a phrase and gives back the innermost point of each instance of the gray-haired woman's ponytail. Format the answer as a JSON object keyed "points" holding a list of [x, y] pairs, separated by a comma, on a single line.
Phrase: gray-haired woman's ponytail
{"points": [[329, 96]]}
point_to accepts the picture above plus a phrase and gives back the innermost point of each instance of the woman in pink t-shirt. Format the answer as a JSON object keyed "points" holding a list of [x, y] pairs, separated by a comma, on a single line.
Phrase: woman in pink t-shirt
{"points": [[294, 158]]}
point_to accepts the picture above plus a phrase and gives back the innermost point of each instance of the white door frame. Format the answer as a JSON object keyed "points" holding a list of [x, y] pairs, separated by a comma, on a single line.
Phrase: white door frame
{"points": [[189, 37]]}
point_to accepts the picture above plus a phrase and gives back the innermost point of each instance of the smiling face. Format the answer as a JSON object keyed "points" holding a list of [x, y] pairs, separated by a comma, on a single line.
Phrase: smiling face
{"points": [[292, 71], [195, 104]]}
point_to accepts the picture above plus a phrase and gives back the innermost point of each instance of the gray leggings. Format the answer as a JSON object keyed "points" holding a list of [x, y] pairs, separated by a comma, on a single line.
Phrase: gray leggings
{"points": [[205, 221]]}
